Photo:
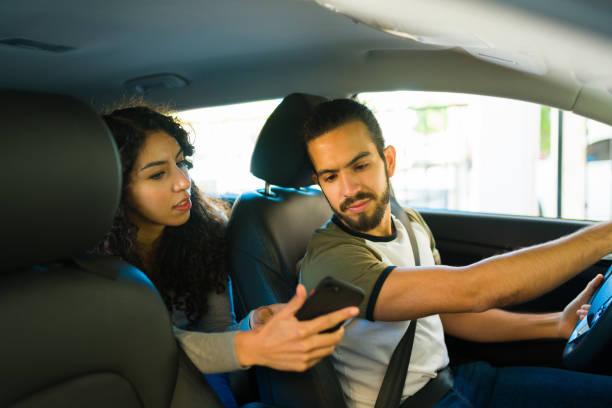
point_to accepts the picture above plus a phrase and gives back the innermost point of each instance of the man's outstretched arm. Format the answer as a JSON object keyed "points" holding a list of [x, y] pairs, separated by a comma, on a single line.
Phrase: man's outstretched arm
{"points": [[498, 325], [515, 277]]}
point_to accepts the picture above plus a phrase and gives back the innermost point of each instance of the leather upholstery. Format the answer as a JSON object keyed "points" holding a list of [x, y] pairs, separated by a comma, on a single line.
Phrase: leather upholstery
{"points": [[61, 178], [268, 236], [78, 330], [279, 156], [78, 338]]}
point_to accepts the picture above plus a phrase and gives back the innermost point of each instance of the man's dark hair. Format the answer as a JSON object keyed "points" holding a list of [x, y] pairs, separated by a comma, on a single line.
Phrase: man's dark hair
{"points": [[330, 115]]}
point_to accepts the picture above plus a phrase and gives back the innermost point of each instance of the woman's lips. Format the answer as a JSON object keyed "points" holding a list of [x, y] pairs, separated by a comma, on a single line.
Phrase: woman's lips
{"points": [[184, 205]]}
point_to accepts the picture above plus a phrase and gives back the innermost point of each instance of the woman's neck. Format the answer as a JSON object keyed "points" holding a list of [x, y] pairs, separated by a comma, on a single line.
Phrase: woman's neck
{"points": [[147, 243]]}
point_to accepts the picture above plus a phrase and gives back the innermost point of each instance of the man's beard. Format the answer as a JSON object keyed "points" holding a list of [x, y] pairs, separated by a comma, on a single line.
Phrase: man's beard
{"points": [[364, 222]]}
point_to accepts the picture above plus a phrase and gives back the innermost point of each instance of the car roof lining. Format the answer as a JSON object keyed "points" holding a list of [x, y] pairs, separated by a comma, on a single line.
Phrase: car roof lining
{"points": [[235, 51], [395, 70]]}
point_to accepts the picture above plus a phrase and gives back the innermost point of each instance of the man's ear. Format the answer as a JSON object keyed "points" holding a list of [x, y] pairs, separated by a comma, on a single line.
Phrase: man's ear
{"points": [[389, 154], [315, 179]]}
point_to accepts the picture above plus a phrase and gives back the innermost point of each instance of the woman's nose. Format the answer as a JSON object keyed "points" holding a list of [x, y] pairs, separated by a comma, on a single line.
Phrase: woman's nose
{"points": [[182, 181]]}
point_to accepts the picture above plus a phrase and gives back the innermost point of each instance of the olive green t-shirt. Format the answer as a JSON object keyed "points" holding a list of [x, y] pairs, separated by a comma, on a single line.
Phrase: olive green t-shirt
{"points": [[362, 357], [333, 251]]}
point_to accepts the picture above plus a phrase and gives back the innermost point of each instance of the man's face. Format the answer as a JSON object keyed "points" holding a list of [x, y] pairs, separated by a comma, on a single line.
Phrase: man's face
{"points": [[353, 177]]}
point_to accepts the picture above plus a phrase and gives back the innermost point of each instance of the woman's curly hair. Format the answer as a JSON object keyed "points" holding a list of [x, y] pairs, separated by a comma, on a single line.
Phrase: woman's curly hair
{"points": [[191, 257]]}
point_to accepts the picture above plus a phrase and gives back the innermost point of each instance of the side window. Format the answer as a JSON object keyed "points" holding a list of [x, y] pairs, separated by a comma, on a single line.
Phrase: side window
{"points": [[485, 154], [224, 138]]}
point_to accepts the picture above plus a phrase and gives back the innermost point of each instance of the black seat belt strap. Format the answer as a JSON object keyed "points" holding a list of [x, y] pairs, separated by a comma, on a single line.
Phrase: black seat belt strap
{"points": [[392, 386]]}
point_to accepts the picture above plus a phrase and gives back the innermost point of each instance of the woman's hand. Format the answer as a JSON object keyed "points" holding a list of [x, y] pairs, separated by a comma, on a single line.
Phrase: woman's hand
{"points": [[284, 343], [261, 315], [577, 308]]}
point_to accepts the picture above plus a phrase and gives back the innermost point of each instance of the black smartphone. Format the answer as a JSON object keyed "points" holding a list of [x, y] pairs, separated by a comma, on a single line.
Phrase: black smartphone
{"points": [[330, 295]]}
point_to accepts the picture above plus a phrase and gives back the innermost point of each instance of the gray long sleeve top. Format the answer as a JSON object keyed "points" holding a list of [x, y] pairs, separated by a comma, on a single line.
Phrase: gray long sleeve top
{"points": [[211, 346]]}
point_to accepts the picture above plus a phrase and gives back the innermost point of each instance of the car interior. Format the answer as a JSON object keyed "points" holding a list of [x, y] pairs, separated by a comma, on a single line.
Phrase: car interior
{"points": [[93, 331]]}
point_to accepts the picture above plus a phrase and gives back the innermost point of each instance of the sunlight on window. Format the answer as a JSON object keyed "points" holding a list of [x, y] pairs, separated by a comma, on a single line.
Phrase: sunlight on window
{"points": [[485, 154], [455, 151], [224, 138]]}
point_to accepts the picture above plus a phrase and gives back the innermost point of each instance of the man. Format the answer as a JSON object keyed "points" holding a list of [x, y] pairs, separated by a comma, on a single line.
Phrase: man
{"points": [[365, 245]]}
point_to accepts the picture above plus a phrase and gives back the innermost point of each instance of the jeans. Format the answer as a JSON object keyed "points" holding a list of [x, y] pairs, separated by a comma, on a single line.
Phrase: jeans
{"points": [[479, 385]]}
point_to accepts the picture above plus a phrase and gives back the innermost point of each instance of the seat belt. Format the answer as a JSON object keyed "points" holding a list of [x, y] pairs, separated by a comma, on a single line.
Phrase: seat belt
{"points": [[392, 386], [390, 393]]}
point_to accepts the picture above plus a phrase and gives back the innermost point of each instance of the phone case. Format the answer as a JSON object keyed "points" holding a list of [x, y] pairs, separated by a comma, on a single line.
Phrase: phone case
{"points": [[330, 295]]}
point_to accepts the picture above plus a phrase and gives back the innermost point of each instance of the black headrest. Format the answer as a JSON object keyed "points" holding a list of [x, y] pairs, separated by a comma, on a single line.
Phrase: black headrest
{"points": [[279, 156], [61, 178]]}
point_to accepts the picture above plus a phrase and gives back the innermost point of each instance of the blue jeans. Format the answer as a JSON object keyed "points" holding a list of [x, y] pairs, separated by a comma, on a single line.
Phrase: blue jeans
{"points": [[482, 385]]}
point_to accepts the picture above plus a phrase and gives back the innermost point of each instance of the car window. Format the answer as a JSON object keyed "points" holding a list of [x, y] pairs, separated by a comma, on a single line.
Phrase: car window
{"points": [[224, 138], [486, 154]]}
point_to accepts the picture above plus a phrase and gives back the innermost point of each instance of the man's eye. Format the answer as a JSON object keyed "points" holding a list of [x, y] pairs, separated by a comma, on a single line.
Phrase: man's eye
{"points": [[331, 178], [157, 176], [361, 166], [186, 164]]}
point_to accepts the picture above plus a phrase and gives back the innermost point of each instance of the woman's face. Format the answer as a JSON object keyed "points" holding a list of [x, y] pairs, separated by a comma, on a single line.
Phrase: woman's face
{"points": [[160, 187]]}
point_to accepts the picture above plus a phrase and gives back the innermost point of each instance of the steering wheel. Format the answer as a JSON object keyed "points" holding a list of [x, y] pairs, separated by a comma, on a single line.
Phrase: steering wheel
{"points": [[589, 347]]}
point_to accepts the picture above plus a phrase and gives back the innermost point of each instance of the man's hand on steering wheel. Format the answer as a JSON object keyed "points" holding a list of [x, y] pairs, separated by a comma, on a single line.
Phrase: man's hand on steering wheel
{"points": [[577, 308]]}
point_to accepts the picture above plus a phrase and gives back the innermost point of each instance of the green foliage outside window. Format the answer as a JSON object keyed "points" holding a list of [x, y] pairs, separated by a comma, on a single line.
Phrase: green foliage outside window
{"points": [[431, 119], [544, 132]]}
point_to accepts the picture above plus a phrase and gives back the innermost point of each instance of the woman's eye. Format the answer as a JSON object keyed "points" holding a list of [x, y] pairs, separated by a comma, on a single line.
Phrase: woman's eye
{"points": [[185, 163], [157, 176]]}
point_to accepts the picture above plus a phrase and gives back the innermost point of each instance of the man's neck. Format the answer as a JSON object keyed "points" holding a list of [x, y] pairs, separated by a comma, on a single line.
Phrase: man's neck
{"points": [[385, 228]]}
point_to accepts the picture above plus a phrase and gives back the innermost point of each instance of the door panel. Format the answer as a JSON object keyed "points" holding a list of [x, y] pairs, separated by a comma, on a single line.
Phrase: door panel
{"points": [[464, 238]]}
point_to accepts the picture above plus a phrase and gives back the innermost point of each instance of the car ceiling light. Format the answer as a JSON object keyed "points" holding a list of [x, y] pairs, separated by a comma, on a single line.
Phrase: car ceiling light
{"points": [[146, 84]]}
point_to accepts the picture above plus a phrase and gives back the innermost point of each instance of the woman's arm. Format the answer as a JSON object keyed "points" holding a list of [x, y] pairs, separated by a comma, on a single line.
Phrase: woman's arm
{"points": [[283, 343], [210, 352], [220, 315]]}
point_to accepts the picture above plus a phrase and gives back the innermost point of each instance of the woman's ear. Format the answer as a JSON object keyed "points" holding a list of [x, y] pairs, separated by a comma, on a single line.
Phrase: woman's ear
{"points": [[389, 154]]}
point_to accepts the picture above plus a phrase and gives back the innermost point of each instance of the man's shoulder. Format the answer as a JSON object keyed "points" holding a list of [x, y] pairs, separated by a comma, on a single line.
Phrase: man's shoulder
{"points": [[329, 236], [333, 251]]}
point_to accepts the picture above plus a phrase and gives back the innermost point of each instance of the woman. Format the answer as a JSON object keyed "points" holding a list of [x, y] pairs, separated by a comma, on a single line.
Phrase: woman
{"points": [[167, 228]]}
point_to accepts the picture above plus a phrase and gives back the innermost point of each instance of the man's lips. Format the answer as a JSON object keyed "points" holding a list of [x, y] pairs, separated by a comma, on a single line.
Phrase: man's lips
{"points": [[359, 206], [357, 203]]}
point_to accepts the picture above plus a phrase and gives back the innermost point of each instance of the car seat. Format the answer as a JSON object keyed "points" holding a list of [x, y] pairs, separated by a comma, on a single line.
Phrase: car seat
{"points": [[268, 234], [78, 330]]}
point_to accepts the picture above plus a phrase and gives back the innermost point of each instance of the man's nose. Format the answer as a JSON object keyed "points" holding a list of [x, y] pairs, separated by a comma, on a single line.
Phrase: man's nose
{"points": [[350, 185]]}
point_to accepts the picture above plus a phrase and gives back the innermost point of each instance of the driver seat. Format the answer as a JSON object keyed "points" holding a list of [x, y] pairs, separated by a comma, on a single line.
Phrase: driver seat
{"points": [[268, 234]]}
